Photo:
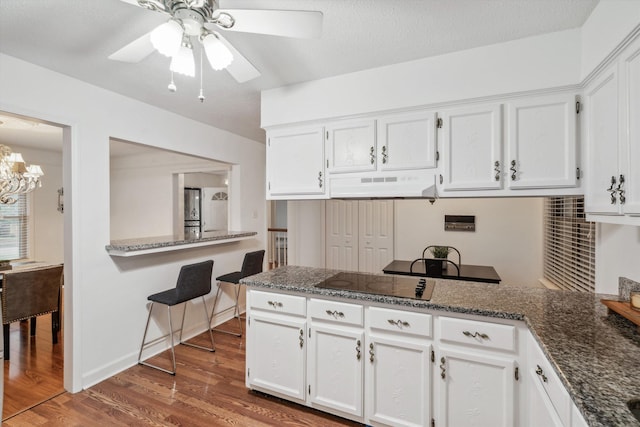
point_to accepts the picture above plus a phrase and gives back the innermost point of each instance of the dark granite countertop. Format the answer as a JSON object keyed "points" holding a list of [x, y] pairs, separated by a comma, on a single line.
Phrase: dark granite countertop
{"points": [[145, 245], [596, 355]]}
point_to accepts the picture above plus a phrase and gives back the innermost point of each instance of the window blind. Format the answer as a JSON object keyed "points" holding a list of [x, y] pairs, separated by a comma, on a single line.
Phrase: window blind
{"points": [[14, 229], [569, 244]]}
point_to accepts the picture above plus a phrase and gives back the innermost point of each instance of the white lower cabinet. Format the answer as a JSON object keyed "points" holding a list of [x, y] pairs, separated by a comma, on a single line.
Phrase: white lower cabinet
{"points": [[477, 373], [276, 344], [391, 367], [398, 368]]}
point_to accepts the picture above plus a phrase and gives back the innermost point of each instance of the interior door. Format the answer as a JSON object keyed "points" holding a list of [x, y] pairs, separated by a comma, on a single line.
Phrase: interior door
{"points": [[214, 208], [375, 229], [342, 234]]}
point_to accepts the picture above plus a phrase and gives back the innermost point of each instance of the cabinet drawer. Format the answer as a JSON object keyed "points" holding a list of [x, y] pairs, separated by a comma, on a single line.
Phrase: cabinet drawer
{"points": [[480, 334], [336, 312], [398, 321], [543, 372], [278, 303]]}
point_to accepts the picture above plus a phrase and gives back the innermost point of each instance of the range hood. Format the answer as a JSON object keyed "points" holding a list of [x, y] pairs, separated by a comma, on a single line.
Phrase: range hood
{"points": [[388, 184]]}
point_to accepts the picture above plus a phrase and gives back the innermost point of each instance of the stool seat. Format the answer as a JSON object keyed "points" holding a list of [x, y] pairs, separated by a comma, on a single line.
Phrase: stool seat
{"points": [[252, 264]]}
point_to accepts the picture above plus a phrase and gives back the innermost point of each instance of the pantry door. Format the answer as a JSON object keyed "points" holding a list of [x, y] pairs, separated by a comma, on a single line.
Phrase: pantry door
{"points": [[359, 235]]}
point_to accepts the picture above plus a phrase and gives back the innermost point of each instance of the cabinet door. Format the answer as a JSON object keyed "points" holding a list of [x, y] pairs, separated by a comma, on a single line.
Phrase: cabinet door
{"points": [[277, 359], [472, 148], [351, 146], [407, 141], [539, 409], [601, 108], [398, 381], [475, 389], [630, 76], [542, 142], [295, 163], [335, 369]]}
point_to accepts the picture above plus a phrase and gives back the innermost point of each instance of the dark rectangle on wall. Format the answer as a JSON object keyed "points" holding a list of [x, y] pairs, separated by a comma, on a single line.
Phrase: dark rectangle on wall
{"points": [[459, 223]]}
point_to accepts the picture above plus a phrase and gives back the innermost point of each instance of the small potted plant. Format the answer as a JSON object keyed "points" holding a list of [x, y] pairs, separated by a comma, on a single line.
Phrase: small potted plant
{"points": [[441, 252]]}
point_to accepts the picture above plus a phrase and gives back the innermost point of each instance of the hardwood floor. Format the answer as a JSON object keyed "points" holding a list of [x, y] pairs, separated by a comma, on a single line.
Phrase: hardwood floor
{"points": [[34, 372], [207, 390]]}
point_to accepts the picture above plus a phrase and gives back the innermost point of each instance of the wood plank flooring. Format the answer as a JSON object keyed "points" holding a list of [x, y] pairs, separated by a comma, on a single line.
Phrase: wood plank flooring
{"points": [[207, 390], [34, 372]]}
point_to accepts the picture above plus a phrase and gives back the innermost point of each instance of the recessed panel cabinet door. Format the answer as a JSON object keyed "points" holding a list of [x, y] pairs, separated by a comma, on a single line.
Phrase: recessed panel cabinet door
{"points": [[351, 146], [295, 163], [407, 141], [475, 389], [472, 148], [399, 381], [542, 142], [277, 362], [601, 107], [630, 75]]}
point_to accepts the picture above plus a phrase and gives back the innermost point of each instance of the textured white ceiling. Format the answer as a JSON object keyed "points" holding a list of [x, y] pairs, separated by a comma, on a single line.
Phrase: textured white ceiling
{"points": [[75, 37]]}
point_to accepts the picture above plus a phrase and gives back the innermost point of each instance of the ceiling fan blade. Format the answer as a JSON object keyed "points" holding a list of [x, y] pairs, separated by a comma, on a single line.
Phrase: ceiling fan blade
{"points": [[240, 68], [285, 23], [156, 5], [135, 51]]}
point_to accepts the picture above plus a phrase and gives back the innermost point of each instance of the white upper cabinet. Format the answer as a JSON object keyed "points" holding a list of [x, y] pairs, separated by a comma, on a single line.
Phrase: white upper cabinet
{"points": [[407, 141], [612, 104], [472, 148], [295, 163], [351, 146], [541, 135]]}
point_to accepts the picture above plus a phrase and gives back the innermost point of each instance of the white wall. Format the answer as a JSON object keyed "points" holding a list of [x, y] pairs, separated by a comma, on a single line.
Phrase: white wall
{"points": [[105, 297], [508, 234], [617, 254], [550, 60]]}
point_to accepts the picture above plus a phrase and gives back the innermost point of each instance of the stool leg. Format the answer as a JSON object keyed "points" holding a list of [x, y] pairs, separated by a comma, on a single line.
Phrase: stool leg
{"points": [[236, 313], [215, 302], [206, 319], [173, 355]]}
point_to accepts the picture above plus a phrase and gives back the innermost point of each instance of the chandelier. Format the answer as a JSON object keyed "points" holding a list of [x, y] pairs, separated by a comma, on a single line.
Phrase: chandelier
{"points": [[16, 177]]}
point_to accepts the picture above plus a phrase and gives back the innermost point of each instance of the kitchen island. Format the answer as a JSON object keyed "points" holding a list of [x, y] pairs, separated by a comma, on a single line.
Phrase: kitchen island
{"points": [[595, 355]]}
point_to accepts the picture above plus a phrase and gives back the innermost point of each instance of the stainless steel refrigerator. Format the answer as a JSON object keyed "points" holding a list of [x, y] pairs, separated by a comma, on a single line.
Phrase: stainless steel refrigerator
{"points": [[192, 213]]}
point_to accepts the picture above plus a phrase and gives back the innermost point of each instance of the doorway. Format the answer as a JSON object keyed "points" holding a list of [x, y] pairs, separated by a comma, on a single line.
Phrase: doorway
{"points": [[34, 372]]}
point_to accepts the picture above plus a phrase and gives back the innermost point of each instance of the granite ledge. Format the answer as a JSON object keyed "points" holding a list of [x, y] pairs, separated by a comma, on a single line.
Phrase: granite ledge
{"points": [[594, 354], [148, 245]]}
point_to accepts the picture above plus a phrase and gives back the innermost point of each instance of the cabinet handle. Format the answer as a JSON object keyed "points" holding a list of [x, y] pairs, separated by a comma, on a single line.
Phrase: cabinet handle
{"points": [[476, 335], [371, 353], [320, 179], [513, 170], [335, 313], [358, 350], [540, 373], [612, 191], [372, 154], [301, 338], [399, 323], [443, 369], [620, 190], [274, 304], [384, 154], [496, 168]]}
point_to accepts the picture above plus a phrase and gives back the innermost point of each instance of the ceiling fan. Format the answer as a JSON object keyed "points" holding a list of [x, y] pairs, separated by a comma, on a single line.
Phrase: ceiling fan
{"points": [[201, 21]]}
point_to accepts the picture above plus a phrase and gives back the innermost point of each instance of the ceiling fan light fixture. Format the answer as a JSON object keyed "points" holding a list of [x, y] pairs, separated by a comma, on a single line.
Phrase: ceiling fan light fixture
{"points": [[183, 62], [167, 37], [218, 54]]}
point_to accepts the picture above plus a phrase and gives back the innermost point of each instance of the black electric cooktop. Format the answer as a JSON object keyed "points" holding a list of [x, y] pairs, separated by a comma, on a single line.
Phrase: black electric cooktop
{"points": [[395, 286]]}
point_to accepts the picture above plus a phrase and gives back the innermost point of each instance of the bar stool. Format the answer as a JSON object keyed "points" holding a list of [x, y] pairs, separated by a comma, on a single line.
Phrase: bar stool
{"points": [[251, 265], [194, 281]]}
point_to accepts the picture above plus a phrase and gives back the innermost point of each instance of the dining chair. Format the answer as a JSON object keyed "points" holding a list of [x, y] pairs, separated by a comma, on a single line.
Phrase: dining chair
{"points": [[252, 264], [194, 280], [28, 294]]}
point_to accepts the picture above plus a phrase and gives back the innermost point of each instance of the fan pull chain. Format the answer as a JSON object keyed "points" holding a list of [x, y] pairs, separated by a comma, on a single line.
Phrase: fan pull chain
{"points": [[201, 96], [172, 86]]}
